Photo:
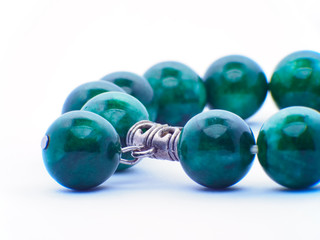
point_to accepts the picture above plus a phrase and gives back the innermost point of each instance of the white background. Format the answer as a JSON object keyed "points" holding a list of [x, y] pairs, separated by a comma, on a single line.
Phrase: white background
{"points": [[47, 48]]}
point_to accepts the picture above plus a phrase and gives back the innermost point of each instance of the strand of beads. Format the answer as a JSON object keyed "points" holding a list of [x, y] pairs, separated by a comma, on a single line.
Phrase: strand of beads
{"points": [[238, 84], [215, 148], [173, 93]]}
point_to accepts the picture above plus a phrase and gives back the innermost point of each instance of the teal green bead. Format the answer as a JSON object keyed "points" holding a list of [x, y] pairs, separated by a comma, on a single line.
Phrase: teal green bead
{"points": [[179, 92], [215, 148], [236, 83], [80, 95], [296, 80], [81, 150], [136, 86], [289, 147], [121, 110]]}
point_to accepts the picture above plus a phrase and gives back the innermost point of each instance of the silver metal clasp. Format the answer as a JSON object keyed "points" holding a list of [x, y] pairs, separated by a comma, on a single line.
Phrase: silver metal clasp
{"points": [[154, 140]]}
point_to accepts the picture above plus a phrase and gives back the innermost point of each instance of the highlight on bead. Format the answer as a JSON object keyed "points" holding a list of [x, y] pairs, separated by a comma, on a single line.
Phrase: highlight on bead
{"points": [[215, 148], [81, 150], [295, 80], [178, 90], [289, 147], [236, 83]]}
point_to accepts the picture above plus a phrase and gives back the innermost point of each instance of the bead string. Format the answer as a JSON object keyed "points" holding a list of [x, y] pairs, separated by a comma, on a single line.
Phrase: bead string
{"points": [[215, 148]]}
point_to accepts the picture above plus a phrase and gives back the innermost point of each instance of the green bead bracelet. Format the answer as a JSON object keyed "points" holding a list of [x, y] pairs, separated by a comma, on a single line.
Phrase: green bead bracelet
{"points": [[105, 125]]}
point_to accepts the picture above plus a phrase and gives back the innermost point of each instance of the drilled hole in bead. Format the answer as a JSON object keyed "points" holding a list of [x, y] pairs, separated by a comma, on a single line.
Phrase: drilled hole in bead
{"points": [[45, 142]]}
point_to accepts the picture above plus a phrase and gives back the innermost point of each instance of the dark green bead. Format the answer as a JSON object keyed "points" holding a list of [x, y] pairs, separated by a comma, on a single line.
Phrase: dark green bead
{"points": [[80, 95], [215, 148], [237, 84], [121, 110], [136, 86], [296, 80], [179, 92], [81, 150], [289, 147]]}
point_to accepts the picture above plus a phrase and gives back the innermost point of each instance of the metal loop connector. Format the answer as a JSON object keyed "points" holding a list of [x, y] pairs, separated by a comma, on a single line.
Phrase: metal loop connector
{"points": [[130, 149], [157, 140], [137, 152]]}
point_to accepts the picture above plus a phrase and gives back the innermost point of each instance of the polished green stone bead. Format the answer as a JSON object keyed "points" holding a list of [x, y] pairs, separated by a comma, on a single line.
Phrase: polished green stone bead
{"points": [[136, 86], [179, 92], [121, 110], [296, 80], [81, 150], [80, 95], [237, 84], [215, 148], [289, 147]]}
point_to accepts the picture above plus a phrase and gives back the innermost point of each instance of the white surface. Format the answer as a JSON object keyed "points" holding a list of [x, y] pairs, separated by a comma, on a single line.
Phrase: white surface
{"points": [[47, 48]]}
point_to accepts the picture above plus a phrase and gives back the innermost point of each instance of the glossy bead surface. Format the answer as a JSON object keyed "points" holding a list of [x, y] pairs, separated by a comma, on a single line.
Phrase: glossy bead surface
{"points": [[121, 110], [80, 95], [136, 86], [214, 148], [237, 84], [296, 80], [289, 147], [179, 92], [81, 150]]}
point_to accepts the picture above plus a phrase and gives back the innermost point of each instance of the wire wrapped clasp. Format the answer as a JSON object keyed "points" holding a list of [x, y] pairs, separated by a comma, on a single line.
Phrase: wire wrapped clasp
{"points": [[154, 140]]}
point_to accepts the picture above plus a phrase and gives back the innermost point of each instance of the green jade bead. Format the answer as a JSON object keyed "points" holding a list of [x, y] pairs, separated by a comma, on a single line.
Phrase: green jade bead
{"points": [[136, 86], [215, 148], [179, 92], [122, 111], [81, 150], [296, 80], [289, 147], [80, 95], [236, 83]]}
